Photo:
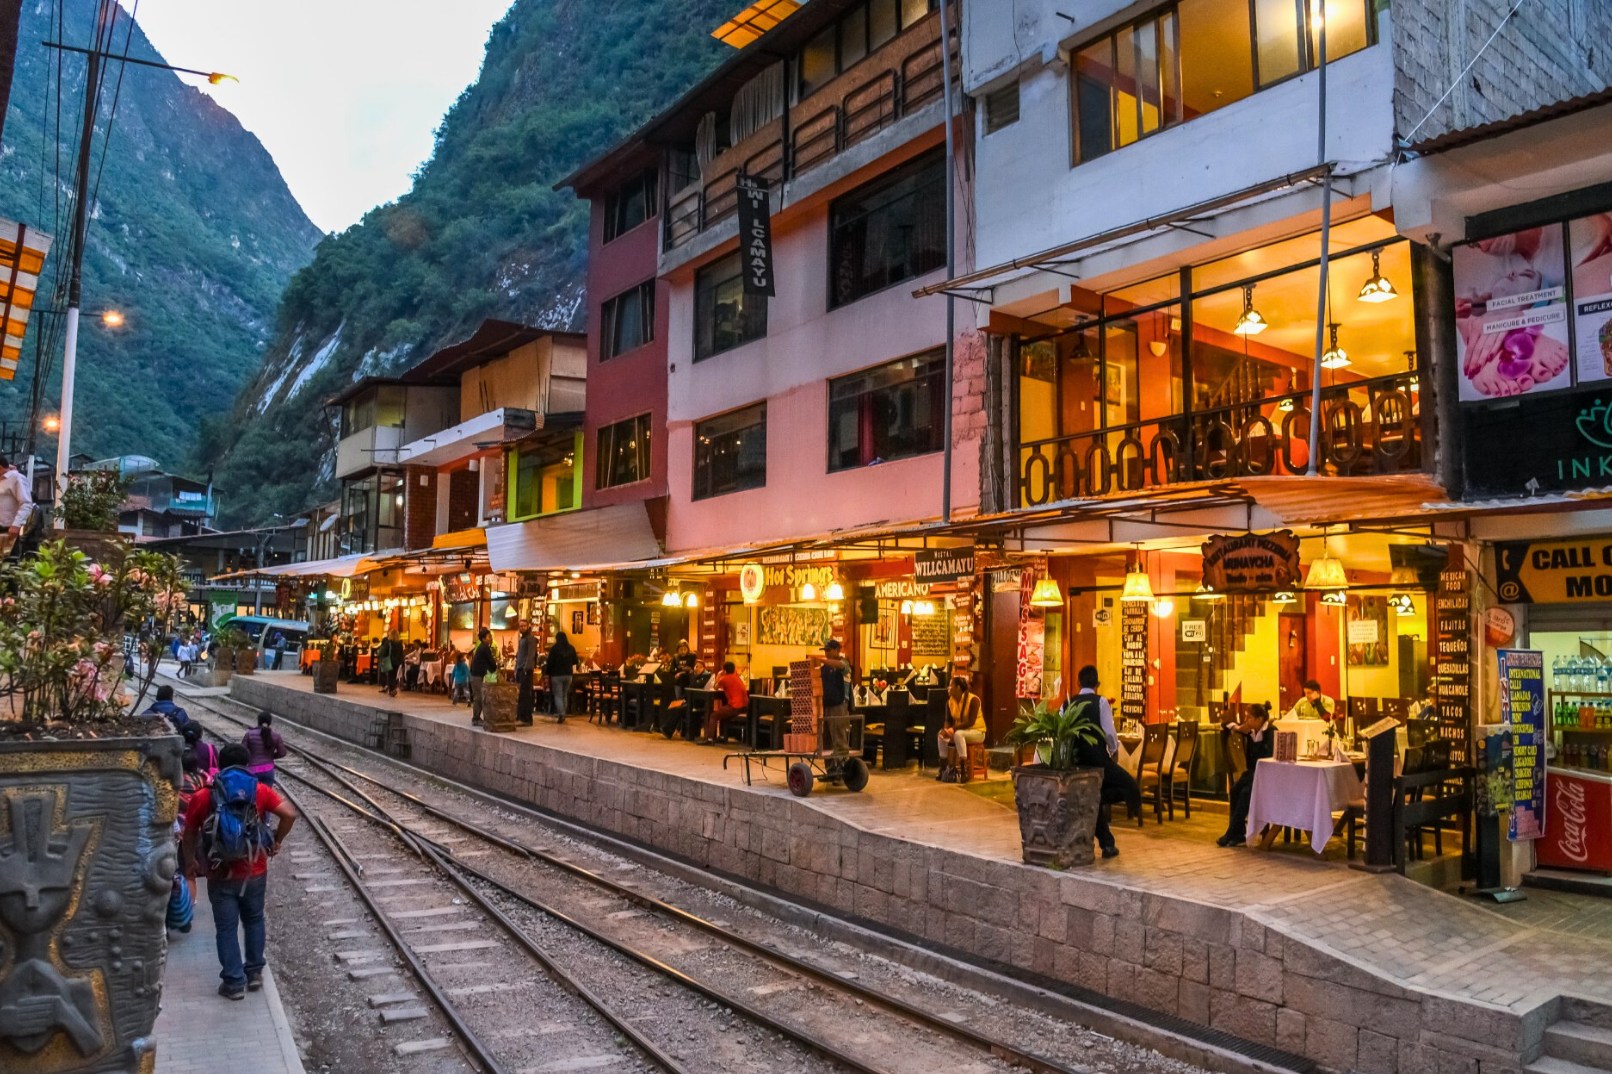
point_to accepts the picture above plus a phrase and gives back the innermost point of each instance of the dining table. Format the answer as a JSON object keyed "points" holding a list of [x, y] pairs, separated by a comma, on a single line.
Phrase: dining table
{"points": [[1302, 795], [431, 672]]}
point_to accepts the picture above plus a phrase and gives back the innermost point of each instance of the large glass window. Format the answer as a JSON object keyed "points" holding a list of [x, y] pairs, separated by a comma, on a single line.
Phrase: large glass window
{"points": [[890, 230], [892, 411], [730, 452], [1195, 56], [623, 452], [860, 30], [631, 204], [627, 320], [543, 480], [384, 405], [724, 316]]}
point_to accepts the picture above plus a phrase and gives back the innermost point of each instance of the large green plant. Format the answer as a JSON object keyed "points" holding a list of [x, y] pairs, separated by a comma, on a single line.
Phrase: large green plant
{"points": [[1058, 733], [79, 640], [93, 499]]}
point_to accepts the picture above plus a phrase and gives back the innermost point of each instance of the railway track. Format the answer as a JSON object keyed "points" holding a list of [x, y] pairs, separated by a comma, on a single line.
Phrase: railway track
{"points": [[621, 948]]}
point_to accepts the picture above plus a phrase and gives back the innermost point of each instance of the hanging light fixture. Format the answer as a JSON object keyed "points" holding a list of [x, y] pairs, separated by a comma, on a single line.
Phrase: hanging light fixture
{"points": [[1285, 406], [1377, 289], [923, 608], [835, 591], [1164, 608], [1335, 357], [1046, 594], [1251, 323], [1402, 603], [691, 599], [1404, 578], [1335, 598], [1137, 587], [808, 592], [671, 599], [509, 611], [1326, 572], [1285, 596], [906, 607]]}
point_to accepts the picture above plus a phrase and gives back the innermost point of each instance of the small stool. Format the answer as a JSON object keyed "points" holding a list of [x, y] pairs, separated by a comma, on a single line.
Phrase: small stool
{"points": [[977, 766]]}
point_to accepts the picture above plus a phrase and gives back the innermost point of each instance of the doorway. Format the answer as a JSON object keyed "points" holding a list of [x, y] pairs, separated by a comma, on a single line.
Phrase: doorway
{"points": [[1292, 661], [1001, 652]]}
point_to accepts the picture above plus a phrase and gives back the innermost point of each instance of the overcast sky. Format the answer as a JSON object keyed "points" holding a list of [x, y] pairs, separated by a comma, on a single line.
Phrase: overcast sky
{"points": [[343, 93]]}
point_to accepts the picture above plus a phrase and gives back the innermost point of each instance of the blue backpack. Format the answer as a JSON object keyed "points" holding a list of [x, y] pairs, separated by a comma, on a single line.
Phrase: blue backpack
{"points": [[235, 833]]}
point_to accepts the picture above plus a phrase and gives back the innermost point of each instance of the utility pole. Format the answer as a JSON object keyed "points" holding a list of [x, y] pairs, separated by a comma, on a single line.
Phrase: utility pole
{"points": [[1321, 304]]}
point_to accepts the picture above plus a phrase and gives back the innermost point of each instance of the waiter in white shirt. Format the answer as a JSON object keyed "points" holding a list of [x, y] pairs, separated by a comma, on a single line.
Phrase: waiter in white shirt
{"points": [[1118, 784], [16, 504]]}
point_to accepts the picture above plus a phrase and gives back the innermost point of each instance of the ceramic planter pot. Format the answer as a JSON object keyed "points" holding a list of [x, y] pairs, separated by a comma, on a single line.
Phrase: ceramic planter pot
{"points": [[498, 705], [1057, 813], [87, 861], [326, 673]]}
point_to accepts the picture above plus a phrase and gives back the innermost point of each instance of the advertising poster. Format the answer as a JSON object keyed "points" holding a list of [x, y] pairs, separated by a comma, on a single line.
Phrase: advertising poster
{"points": [[1511, 315], [1590, 246], [1522, 712]]}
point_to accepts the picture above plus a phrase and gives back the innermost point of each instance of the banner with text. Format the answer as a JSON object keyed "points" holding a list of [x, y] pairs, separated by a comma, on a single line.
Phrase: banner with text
{"points": [[1554, 572], [1522, 712]]}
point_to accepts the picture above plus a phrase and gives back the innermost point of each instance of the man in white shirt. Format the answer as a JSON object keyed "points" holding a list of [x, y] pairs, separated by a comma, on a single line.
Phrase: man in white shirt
{"points": [[1314, 705], [16, 504], [1118, 784]]}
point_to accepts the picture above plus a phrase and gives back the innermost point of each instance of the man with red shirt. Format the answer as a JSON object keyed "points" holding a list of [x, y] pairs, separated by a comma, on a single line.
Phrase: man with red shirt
{"points": [[236, 889], [733, 698]]}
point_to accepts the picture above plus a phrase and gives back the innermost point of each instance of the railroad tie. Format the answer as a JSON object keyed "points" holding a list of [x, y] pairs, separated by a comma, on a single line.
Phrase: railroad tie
{"points": [[388, 999], [366, 972], [402, 1014], [415, 1047]]}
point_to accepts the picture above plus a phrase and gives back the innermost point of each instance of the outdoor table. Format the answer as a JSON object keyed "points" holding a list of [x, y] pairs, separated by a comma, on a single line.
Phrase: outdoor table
{"points": [[1303, 795], [431, 672], [637, 705], [697, 706], [1130, 747]]}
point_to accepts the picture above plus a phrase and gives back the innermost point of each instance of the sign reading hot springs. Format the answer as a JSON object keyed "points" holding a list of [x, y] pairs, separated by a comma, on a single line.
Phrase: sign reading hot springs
{"points": [[1554, 572]]}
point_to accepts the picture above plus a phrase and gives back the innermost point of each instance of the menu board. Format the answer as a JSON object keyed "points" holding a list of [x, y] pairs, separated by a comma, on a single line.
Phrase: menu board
{"points": [[1133, 620], [1511, 314], [1452, 646], [931, 636], [1522, 710], [1589, 244]]}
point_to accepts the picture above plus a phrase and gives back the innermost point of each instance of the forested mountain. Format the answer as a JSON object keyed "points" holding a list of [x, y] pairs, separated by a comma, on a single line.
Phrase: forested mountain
{"points": [[482, 233], [193, 238]]}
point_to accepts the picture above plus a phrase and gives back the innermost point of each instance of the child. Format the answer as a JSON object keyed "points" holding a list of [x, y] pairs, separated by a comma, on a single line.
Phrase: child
{"points": [[461, 680]]}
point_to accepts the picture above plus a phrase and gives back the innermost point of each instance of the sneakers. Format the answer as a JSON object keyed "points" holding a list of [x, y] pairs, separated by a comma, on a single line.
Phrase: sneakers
{"points": [[231, 993], [254, 982]]}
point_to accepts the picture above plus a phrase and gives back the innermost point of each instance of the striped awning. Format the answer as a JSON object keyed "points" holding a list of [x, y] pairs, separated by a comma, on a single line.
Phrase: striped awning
{"points": [[22, 258]]}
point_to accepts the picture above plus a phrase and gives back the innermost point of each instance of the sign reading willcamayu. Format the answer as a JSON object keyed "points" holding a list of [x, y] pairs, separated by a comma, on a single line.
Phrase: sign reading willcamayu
{"points": [[755, 235], [942, 564], [1553, 572], [1251, 562]]}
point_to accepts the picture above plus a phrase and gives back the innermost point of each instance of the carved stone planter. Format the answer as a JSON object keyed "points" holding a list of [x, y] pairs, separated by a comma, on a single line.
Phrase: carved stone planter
{"points": [[499, 701], [326, 673], [1057, 813], [98, 545], [86, 864]]}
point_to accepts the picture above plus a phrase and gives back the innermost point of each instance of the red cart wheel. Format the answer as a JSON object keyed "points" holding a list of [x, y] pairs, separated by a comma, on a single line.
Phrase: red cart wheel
{"points": [[800, 779]]}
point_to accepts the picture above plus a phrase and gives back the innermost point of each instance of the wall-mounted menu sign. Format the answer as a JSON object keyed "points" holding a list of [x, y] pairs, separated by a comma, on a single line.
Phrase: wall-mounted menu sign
{"points": [[1251, 562], [1452, 670], [942, 564], [1133, 621]]}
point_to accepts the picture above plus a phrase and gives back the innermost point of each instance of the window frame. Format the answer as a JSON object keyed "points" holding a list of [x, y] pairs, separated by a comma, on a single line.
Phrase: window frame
{"points": [[609, 319], [649, 181], [642, 426], [707, 272], [703, 427], [935, 360], [930, 158], [835, 31]]}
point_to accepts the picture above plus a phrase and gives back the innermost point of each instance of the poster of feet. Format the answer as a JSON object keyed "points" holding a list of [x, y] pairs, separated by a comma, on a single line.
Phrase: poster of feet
{"points": [[1590, 244]]}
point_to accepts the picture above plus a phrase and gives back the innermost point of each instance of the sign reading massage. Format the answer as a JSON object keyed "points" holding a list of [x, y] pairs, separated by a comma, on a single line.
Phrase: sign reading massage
{"points": [[942, 564], [1554, 572], [1251, 562]]}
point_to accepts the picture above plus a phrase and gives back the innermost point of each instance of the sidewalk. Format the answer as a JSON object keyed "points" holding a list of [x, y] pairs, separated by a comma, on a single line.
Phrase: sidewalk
{"points": [[200, 1032]]}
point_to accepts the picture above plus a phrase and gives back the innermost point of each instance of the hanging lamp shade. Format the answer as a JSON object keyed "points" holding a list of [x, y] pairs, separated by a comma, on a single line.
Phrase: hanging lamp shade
{"points": [[1285, 596], [1402, 603], [691, 600], [670, 599], [1335, 356], [1404, 578], [1046, 595], [1334, 597], [835, 591], [1250, 322], [1378, 288], [1137, 588], [808, 592], [1327, 573]]}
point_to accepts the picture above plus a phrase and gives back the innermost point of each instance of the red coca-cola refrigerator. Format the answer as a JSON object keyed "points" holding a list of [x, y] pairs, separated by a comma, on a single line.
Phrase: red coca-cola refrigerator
{"points": [[1578, 821]]}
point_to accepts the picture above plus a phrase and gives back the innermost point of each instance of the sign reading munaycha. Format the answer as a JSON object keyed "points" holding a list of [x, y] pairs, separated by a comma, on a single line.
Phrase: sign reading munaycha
{"points": [[755, 235], [1251, 562]]}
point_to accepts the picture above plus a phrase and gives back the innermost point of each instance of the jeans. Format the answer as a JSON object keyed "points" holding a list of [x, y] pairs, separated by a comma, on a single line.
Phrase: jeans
{"points": [[524, 703], [475, 699], [238, 905], [560, 688]]}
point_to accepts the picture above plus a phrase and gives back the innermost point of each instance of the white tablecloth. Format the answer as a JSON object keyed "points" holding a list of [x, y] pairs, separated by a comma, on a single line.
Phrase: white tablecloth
{"points": [[430, 672], [1301, 795], [1312, 734]]}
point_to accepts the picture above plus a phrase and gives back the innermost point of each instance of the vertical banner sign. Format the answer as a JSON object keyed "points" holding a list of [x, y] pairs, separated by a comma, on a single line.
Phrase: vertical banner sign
{"points": [[1133, 617], [1522, 711], [755, 235], [1452, 641], [1032, 640]]}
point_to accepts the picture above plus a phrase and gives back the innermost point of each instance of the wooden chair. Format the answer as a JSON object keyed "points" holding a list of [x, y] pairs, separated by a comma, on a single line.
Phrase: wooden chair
{"points": [[976, 766], [1180, 771], [1236, 756], [1155, 744]]}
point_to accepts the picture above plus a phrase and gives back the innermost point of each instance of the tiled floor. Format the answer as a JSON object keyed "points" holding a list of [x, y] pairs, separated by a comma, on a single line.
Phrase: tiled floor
{"points": [[1506, 954]]}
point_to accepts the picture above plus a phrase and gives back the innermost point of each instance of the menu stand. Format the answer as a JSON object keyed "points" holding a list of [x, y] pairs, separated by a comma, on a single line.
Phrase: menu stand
{"points": [[1379, 797]]}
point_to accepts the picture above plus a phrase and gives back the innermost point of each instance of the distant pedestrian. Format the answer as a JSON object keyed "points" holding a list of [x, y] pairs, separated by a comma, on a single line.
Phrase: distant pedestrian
{"points": [[263, 746], [559, 667], [388, 661], [459, 680], [483, 668], [206, 753], [16, 505], [276, 650], [227, 827], [187, 657], [525, 666], [164, 707]]}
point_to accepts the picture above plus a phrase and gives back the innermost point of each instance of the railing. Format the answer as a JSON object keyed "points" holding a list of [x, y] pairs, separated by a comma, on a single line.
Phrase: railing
{"points": [[1367, 427], [819, 136]]}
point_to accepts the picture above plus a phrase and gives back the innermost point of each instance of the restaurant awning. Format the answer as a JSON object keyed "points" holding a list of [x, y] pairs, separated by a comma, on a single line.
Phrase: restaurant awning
{"points": [[340, 567], [617, 538], [22, 257]]}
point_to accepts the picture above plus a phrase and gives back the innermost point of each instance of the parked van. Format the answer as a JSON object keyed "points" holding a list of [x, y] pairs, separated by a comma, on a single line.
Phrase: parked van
{"points": [[262, 627]]}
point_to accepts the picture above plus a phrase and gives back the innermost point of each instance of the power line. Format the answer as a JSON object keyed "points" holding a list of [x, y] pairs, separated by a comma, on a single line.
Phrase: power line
{"points": [[1457, 80]]}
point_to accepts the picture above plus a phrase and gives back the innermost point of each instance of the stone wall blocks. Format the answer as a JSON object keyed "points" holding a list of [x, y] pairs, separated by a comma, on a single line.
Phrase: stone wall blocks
{"points": [[1222, 967], [1259, 976], [1193, 1002], [1163, 952], [1467, 1022], [1291, 1027], [1195, 960], [1332, 1043], [1378, 1054], [1091, 895], [1251, 1019]]}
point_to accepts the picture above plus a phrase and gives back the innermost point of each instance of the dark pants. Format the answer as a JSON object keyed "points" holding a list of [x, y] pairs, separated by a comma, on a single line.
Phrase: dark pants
{"points": [[524, 704], [279, 655], [1241, 791], [1118, 786], [237, 907]]}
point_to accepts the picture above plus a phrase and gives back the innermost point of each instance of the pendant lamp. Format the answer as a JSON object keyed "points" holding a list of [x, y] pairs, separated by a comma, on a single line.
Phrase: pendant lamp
{"points": [[1285, 596], [1335, 357], [1046, 595], [808, 592], [1334, 598], [1250, 323], [691, 600], [670, 599], [1137, 587], [1402, 603], [1326, 572], [835, 591], [1377, 289]]}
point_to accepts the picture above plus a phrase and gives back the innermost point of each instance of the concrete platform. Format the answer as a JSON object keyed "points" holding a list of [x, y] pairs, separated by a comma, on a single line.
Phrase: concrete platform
{"points": [[1355, 971]]}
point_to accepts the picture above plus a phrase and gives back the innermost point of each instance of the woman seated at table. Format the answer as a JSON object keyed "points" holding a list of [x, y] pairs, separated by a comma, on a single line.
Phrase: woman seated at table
{"points": [[732, 699], [967, 725], [1261, 744]]}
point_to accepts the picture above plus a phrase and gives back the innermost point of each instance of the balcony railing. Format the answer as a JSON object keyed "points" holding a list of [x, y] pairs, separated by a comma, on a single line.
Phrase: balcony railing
{"points": [[818, 135], [1367, 427]]}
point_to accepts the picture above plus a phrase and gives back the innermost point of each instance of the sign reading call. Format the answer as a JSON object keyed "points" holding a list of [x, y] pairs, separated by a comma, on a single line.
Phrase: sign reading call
{"points": [[1554, 572]]}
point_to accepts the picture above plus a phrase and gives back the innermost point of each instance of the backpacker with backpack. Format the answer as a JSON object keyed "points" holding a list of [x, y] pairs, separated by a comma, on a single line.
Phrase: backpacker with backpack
{"points": [[235, 833]]}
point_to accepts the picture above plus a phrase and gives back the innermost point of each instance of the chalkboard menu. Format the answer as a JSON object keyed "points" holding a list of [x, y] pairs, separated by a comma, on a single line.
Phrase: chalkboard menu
{"points": [[1133, 660], [1452, 679], [932, 637]]}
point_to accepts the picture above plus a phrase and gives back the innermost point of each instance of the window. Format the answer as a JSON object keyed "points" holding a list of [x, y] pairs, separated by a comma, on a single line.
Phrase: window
{"points": [[382, 406], [865, 27], [543, 479], [1002, 107], [627, 320], [623, 453], [730, 452], [1196, 56], [892, 411], [724, 316], [890, 230], [631, 204]]}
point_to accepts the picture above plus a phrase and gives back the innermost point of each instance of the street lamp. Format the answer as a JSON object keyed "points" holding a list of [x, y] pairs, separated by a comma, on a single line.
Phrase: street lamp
{"points": [[112, 318]]}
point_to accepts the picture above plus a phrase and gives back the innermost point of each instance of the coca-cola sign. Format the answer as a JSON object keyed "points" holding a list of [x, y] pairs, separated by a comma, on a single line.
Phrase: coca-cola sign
{"points": [[1578, 825]]}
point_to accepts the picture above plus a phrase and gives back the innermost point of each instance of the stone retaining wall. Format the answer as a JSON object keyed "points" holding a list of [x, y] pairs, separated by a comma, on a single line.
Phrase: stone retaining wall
{"points": [[1209, 964]]}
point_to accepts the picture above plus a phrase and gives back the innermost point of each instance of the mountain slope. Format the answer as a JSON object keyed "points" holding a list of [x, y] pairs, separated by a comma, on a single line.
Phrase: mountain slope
{"points": [[193, 238], [480, 234]]}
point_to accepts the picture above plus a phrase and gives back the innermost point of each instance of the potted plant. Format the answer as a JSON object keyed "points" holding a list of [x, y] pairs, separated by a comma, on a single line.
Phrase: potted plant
{"points": [[88, 857], [235, 655], [1057, 797], [90, 505]]}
